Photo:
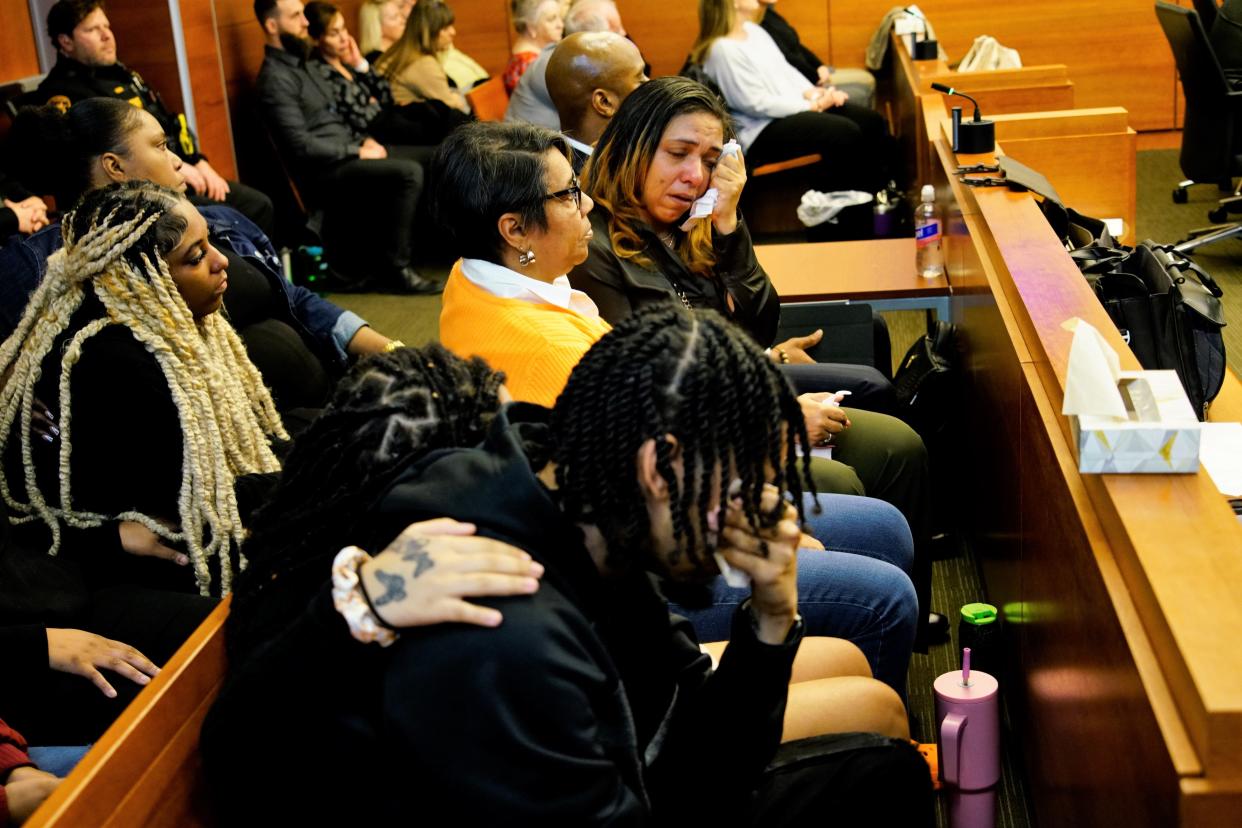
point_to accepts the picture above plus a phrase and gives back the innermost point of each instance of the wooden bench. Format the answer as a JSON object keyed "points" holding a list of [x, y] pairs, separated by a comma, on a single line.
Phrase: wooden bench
{"points": [[145, 770], [1120, 591]]}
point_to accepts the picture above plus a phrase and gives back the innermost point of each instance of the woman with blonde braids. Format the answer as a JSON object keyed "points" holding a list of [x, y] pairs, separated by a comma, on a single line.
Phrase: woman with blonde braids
{"points": [[160, 410]]}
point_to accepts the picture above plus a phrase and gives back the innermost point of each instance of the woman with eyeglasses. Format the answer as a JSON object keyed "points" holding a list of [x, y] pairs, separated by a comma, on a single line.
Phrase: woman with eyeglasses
{"points": [[509, 195], [507, 198]]}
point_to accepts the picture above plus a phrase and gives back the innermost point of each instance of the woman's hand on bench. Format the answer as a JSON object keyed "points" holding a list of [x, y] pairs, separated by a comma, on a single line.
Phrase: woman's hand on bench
{"points": [[83, 653], [424, 575]]}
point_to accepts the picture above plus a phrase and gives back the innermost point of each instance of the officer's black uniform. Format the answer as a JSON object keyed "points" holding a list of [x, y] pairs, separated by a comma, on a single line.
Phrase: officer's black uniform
{"points": [[71, 81]]}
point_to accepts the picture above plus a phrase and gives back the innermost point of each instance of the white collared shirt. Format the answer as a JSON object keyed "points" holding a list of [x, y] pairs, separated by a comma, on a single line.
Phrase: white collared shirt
{"points": [[499, 280], [585, 149]]}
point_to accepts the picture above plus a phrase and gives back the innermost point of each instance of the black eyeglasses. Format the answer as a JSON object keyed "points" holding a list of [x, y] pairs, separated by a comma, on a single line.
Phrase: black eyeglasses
{"points": [[573, 191]]}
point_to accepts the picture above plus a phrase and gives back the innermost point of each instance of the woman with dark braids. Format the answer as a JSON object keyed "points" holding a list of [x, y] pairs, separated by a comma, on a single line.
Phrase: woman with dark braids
{"points": [[658, 154], [508, 201], [589, 704]]}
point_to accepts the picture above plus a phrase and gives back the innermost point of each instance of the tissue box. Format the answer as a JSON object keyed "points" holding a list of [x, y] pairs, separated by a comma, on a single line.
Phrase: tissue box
{"points": [[1162, 435]]}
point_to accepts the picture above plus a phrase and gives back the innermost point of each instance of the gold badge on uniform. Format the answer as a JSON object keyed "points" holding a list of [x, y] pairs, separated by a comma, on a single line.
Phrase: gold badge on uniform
{"points": [[60, 102], [135, 101], [118, 90]]}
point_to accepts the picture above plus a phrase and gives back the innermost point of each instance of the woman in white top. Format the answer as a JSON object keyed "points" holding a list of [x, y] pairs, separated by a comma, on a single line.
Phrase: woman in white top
{"points": [[778, 113]]}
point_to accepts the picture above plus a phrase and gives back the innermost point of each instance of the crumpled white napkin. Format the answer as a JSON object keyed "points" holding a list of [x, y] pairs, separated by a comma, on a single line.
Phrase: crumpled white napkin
{"points": [[817, 208]]}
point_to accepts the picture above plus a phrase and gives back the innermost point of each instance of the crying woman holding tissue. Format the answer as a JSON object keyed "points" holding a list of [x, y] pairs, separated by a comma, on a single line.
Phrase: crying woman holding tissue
{"points": [[663, 150]]}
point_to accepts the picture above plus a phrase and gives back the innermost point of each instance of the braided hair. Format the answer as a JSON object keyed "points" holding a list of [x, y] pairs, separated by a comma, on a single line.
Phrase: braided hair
{"points": [[664, 371], [115, 243], [387, 412]]}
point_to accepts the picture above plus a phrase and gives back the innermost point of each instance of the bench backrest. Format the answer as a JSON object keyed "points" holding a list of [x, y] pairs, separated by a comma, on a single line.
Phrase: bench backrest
{"points": [[145, 770]]}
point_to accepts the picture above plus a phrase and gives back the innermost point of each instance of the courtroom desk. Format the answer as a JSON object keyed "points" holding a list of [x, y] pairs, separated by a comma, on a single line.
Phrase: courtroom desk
{"points": [[1088, 155], [1029, 89], [1119, 591], [876, 269]]}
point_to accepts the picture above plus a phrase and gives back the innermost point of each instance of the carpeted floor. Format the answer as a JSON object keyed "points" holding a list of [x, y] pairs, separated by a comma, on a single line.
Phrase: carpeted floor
{"points": [[415, 320]]}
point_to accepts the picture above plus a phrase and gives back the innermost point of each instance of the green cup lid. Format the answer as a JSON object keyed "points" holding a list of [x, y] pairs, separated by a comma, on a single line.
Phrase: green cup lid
{"points": [[978, 614]]}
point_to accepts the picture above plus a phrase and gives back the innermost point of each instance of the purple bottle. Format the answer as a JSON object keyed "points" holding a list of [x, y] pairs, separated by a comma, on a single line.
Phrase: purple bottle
{"points": [[968, 722]]}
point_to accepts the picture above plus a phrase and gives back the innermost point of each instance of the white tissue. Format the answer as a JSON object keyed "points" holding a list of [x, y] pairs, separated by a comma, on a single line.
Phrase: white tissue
{"points": [[817, 208], [1091, 380], [705, 205]]}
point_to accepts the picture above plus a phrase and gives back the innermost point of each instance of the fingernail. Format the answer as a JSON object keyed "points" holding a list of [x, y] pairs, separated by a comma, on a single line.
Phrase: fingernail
{"points": [[182, 560], [54, 430], [531, 585], [110, 693], [48, 438], [536, 569], [145, 679]]}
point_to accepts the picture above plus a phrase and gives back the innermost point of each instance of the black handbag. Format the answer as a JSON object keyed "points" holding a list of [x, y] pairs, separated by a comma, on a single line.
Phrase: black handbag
{"points": [[1169, 311], [926, 380], [1166, 307]]}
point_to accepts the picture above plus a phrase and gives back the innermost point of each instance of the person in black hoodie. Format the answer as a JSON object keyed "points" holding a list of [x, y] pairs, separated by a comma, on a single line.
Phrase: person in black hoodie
{"points": [[590, 704]]}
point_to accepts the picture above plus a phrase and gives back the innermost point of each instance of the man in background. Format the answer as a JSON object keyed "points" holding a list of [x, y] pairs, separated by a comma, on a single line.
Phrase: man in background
{"points": [[86, 67]]}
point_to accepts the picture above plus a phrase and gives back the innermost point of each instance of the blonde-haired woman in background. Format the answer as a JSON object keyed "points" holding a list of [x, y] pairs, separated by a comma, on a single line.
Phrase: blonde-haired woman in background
{"points": [[159, 411], [411, 65]]}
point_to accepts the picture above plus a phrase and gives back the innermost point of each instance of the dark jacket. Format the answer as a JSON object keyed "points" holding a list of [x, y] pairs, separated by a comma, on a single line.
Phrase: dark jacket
{"points": [[13, 191], [358, 101], [315, 318], [589, 705], [301, 111], [70, 82], [621, 286], [787, 40]]}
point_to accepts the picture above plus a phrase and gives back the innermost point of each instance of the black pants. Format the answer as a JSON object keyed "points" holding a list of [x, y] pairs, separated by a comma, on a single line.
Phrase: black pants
{"points": [[854, 141], [369, 211], [57, 708], [251, 203], [845, 779]]}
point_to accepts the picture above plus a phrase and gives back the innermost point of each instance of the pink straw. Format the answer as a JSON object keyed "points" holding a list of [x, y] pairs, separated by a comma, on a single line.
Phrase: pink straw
{"points": [[965, 666]]}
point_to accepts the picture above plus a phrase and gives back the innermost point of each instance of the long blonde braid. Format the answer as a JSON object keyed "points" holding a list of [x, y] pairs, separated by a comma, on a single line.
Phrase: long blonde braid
{"points": [[225, 412]]}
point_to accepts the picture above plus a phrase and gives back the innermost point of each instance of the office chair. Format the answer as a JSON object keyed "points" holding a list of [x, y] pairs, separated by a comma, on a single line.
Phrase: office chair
{"points": [[1210, 131], [1206, 10]]}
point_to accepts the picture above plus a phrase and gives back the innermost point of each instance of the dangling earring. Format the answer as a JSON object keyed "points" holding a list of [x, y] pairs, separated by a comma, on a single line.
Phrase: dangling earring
{"points": [[526, 258]]}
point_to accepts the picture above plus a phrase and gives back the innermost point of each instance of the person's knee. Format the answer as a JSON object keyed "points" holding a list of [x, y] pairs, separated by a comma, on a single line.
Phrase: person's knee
{"points": [[831, 477], [882, 709], [827, 657], [905, 445]]}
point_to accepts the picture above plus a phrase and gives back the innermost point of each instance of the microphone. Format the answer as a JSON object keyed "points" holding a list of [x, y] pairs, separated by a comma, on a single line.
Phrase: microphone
{"points": [[949, 90], [975, 136]]}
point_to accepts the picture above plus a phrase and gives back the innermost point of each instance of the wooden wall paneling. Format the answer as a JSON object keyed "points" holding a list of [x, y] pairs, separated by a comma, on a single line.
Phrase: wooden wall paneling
{"points": [[1205, 805], [1115, 51], [1088, 155], [1171, 530], [1090, 731], [144, 43], [18, 58], [666, 31], [484, 31], [211, 110]]}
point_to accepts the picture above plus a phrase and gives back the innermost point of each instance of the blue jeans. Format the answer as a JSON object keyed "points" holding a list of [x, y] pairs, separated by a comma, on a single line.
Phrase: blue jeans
{"points": [[58, 760], [859, 591]]}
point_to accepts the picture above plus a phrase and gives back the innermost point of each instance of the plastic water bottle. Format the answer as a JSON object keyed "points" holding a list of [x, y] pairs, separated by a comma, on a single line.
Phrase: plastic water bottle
{"points": [[928, 257]]}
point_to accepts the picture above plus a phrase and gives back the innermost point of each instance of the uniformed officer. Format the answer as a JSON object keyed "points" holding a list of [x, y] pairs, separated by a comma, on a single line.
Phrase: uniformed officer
{"points": [[86, 67]]}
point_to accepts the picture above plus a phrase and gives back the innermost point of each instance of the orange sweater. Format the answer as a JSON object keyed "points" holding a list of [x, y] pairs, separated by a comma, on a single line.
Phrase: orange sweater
{"points": [[536, 345]]}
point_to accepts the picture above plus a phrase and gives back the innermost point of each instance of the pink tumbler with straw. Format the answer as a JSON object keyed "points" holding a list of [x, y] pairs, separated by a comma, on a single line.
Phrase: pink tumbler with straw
{"points": [[968, 722]]}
